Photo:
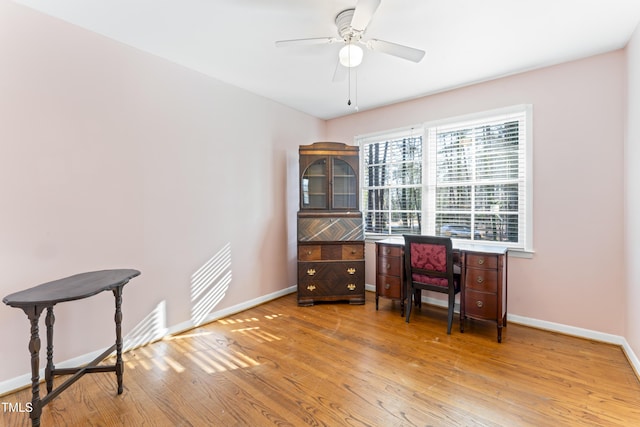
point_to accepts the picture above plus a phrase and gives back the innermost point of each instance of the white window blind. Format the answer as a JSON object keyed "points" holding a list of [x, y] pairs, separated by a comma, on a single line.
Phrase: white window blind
{"points": [[477, 185]]}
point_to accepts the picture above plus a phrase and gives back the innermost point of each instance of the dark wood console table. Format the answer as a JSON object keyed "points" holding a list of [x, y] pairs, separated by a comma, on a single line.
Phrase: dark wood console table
{"points": [[34, 300]]}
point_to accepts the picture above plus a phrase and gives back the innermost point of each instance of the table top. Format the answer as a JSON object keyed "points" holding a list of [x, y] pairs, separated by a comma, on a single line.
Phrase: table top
{"points": [[457, 245], [71, 288]]}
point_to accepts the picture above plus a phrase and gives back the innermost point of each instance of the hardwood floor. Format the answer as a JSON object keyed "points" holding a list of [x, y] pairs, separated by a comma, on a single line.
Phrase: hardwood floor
{"points": [[341, 365]]}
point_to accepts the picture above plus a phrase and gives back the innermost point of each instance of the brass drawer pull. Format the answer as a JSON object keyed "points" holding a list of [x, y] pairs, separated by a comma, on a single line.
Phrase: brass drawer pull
{"points": [[480, 280], [351, 271], [311, 288], [388, 266], [480, 304], [311, 271], [387, 251], [308, 252], [480, 261], [351, 286], [387, 286], [353, 251]]}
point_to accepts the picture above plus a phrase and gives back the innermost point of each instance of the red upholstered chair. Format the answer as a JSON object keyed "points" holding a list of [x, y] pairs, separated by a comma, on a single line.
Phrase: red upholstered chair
{"points": [[429, 266]]}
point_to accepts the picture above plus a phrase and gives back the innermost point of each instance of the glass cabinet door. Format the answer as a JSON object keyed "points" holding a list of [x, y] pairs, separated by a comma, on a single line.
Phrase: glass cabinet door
{"points": [[314, 185], [345, 191]]}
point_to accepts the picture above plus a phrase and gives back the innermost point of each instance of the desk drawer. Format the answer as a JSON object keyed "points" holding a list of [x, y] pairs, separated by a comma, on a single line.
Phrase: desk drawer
{"points": [[481, 305], [482, 261], [389, 250], [482, 280], [389, 286], [389, 265]]}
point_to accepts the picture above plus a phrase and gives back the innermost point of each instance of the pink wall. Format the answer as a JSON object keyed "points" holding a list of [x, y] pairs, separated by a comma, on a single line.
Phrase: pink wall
{"points": [[576, 275], [632, 194], [111, 158]]}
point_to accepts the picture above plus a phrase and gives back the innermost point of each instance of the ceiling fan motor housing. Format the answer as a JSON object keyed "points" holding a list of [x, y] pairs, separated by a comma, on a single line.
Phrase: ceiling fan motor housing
{"points": [[343, 22]]}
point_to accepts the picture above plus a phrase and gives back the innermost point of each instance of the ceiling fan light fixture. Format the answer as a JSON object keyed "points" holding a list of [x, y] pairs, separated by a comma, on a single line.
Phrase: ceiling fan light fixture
{"points": [[351, 55]]}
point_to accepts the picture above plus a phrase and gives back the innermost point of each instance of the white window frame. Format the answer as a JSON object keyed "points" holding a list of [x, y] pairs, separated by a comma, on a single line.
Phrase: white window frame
{"points": [[525, 205], [392, 135]]}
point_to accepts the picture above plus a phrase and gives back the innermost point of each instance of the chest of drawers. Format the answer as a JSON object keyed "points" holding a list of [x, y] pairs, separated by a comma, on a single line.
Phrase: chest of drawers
{"points": [[390, 281], [331, 272], [484, 288]]}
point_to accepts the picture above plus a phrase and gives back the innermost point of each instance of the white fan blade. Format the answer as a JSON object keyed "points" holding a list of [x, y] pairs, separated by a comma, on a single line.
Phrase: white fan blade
{"points": [[395, 49], [306, 42], [363, 14], [340, 73]]}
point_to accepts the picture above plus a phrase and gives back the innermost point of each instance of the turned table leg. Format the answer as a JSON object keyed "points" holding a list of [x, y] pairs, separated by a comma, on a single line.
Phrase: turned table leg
{"points": [[33, 313], [48, 372], [117, 292]]}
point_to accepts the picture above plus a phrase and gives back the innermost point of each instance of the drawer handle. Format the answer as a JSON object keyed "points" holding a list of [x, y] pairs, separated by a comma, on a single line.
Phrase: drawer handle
{"points": [[353, 251], [311, 287], [480, 280], [480, 261], [480, 304], [311, 271], [387, 286], [387, 251], [351, 271], [388, 266], [351, 286], [308, 252]]}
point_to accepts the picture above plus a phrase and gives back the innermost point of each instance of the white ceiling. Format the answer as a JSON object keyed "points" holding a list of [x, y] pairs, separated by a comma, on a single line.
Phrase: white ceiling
{"points": [[466, 41]]}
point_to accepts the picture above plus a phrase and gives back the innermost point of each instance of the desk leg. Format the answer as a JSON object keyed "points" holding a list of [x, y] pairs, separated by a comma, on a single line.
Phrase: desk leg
{"points": [[117, 292], [33, 313], [48, 372], [463, 286]]}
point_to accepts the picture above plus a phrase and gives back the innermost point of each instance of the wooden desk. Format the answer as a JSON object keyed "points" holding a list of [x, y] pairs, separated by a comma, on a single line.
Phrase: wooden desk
{"points": [[33, 300], [483, 288]]}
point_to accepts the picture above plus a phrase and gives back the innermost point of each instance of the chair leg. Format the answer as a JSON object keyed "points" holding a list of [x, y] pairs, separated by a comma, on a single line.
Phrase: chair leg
{"points": [[408, 308], [452, 300]]}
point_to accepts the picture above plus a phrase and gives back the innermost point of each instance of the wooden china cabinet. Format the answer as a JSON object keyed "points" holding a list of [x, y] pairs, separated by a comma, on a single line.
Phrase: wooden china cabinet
{"points": [[330, 225]]}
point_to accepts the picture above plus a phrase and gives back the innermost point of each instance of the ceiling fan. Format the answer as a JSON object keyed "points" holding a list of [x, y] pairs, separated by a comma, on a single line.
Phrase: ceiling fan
{"points": [[352, 24]]}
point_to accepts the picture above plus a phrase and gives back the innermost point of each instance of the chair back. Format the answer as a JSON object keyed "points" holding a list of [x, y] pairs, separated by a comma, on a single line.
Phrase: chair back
{"points": [[429, 262]]}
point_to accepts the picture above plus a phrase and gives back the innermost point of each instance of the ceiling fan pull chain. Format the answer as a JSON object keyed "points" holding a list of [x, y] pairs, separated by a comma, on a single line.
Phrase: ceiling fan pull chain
{"points": [[356, 91], [349, 87]]}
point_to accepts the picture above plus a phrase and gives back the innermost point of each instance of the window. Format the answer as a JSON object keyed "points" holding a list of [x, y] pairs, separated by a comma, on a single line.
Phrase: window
{"points": [[472, 183], [392, 182]]}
